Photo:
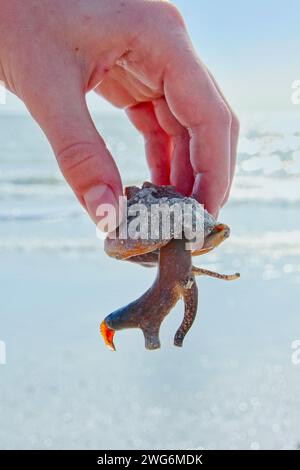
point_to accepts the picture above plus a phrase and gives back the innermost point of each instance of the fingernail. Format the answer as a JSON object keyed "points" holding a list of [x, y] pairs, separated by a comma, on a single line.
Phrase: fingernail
{"points": [[205, 195], [102, 206]]}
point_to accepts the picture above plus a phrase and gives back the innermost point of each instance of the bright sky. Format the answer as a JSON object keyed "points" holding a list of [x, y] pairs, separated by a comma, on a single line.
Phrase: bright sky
{"points": [[252, 48]]}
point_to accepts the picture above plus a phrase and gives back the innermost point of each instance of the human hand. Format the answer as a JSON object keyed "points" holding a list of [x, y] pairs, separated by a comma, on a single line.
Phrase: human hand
{"points": [[138, 55]]}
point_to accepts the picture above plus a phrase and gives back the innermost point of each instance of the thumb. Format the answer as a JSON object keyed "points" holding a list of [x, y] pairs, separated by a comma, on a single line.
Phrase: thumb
{"points": [[81, 153]]}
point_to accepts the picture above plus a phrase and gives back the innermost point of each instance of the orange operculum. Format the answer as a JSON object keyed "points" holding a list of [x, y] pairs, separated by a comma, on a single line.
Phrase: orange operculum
{"points": [[108, 335]]}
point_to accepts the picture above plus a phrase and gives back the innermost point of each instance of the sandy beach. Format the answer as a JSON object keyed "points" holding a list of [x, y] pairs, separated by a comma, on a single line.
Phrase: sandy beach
{"points": [[232, 386]]}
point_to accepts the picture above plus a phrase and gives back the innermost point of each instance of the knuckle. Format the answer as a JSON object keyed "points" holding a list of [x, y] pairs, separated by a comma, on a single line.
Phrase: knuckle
{"points": [[76, 162], [218, 116], [74, 155], [167, 13], [172, 11], [222, 115]]}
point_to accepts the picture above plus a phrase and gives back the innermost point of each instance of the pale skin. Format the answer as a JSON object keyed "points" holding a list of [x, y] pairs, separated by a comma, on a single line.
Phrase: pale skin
{"points": [[137, 54]]}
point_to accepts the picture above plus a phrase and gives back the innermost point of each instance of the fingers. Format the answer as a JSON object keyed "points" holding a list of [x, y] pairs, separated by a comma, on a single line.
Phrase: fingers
{"points": [[81, 153], [234, 136], [196, 103], [114, 92], [158, 144], [123, 89], [210, 152], [181, 175]]}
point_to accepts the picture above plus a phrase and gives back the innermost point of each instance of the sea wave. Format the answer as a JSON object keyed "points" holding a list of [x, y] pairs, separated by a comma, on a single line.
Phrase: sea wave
{"points": [[277, 190], [268, 190], [64, 245], [33, 215], [274, 242], [31, 178], [280, 242], [268, 169]]}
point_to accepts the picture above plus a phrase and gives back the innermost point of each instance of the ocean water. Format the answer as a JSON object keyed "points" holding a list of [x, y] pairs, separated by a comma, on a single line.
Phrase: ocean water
{"points": [[233, 385]]}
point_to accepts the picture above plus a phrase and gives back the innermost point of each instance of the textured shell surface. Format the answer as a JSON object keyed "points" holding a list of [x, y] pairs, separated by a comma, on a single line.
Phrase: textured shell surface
{"points": [[166, 196], [186, 216]]}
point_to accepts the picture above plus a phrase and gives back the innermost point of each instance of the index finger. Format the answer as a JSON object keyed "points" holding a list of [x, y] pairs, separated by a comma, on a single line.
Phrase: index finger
{"points": [[195, 101]]}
